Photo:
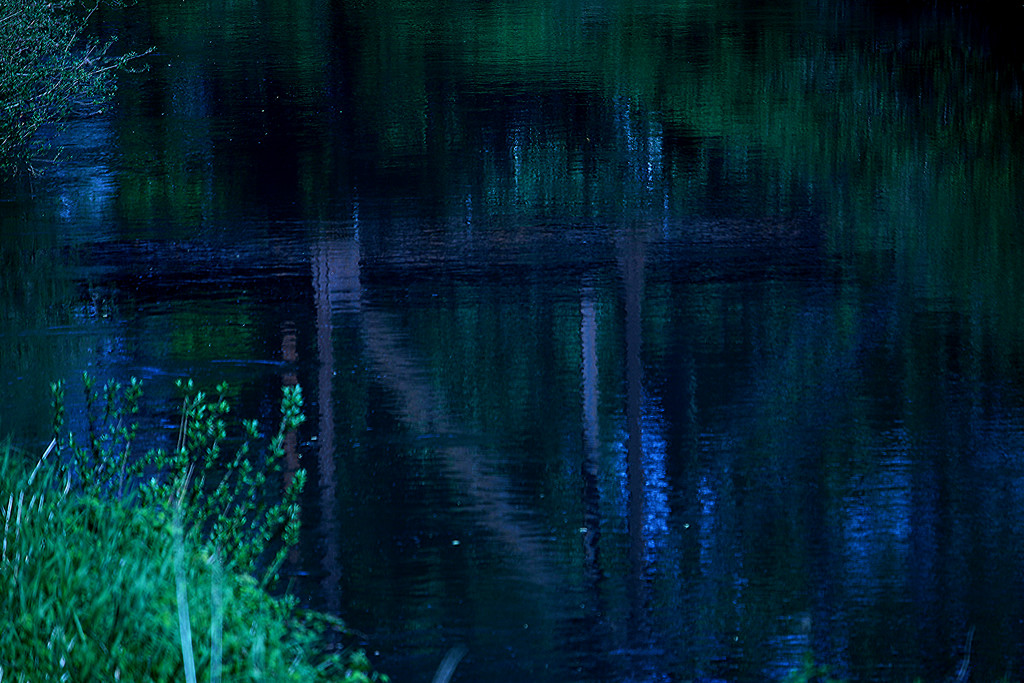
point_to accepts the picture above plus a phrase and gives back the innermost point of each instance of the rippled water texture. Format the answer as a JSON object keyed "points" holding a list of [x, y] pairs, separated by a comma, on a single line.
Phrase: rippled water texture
{"points": [[641, 341]]}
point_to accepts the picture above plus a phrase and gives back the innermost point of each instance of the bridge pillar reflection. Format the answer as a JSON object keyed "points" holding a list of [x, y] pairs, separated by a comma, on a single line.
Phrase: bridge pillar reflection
{"points": [[336, 286]]}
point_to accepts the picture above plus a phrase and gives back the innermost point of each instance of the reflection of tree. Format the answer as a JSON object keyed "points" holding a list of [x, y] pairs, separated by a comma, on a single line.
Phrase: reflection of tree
{"points": [[695, 107], [591, 438], [591, 626], [632, 264], [384, 348]]}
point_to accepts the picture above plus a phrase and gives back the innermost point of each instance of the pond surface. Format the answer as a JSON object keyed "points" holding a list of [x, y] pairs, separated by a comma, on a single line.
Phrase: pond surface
{"points": [[641, 341]]}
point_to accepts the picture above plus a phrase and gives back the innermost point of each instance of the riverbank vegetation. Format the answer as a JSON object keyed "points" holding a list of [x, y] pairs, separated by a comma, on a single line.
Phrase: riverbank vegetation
{"points": [[50, 70], [142, 568]]}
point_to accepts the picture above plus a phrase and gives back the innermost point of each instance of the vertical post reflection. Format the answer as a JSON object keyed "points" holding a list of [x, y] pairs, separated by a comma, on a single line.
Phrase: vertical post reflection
{"points": [[632, 263], [336, 286], [290, 354], [591, 494], [594, 627]]}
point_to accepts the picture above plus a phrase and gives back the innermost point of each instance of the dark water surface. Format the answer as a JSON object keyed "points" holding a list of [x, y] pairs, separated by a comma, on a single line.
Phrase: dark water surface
{"points": [[641, 341]]}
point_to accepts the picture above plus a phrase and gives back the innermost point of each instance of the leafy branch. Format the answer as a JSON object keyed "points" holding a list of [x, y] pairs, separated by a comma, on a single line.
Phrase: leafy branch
{"points": [[215, 480], [50, 70]]}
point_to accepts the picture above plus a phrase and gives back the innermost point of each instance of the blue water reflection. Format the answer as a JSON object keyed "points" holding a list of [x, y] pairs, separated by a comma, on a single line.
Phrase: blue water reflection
{"points": [[664, 342]]}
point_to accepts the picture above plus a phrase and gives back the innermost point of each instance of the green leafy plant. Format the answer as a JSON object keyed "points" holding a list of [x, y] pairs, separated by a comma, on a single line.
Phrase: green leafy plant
{"points": [[50, 70], [103, 464], [223, 497], [90, 590], [214, 481], [112, 563]]}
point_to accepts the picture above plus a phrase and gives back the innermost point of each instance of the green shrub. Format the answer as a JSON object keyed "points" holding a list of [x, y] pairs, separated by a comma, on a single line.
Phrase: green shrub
{"points": [[113, 565], [217, 482], [49, 71]]}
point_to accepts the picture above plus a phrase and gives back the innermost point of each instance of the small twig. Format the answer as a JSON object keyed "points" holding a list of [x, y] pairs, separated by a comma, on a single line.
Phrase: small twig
{"points": [[964, 669], [182, 425], [446, 669], [4, 20], [35, 470], [184, 485]]}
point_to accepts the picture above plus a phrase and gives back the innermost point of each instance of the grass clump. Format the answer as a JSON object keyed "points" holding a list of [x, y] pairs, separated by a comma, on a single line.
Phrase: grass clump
{"points": [[141, 568]]}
